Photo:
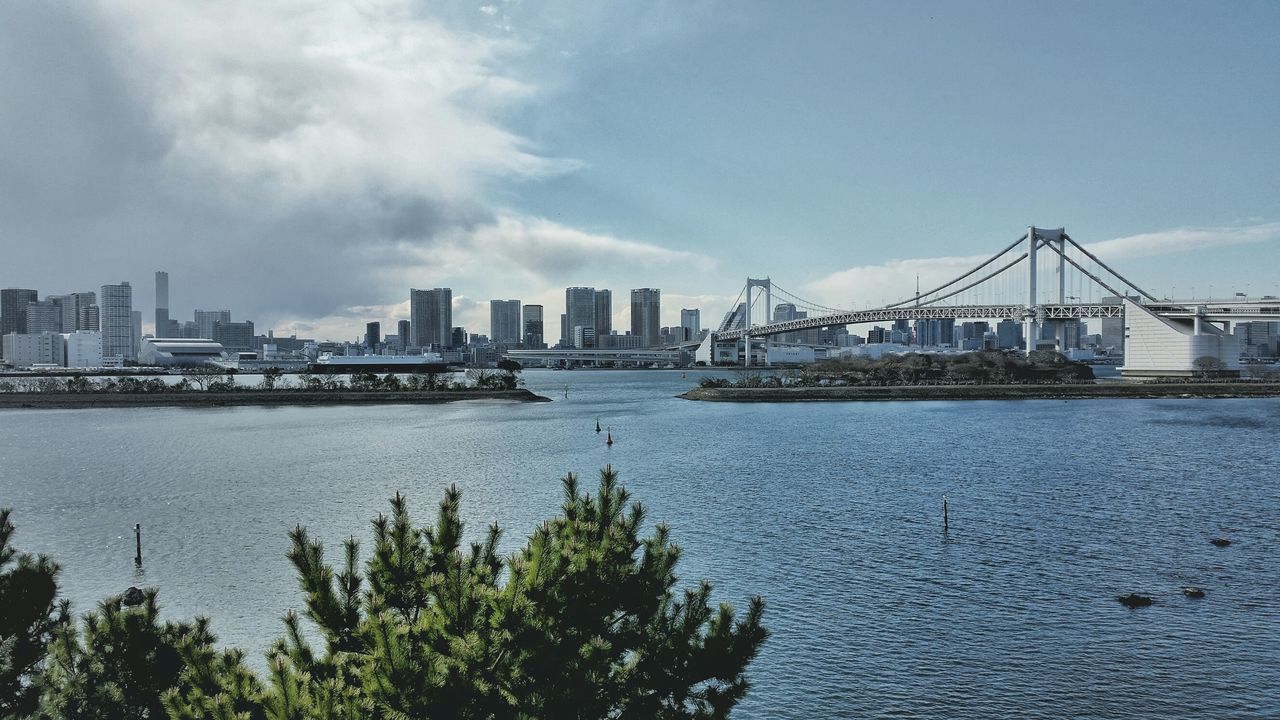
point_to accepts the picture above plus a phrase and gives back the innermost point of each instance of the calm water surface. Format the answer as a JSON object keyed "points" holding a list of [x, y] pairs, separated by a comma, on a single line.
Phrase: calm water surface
{"points": [[831, 511]]}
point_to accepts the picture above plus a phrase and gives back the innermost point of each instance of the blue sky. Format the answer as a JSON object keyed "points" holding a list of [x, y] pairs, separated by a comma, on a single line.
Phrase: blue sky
{"points": [[306, 164]]}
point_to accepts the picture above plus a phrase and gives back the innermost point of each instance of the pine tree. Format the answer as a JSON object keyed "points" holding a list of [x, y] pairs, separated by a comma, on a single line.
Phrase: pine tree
{"points": [[30, 613], [583, 622]]}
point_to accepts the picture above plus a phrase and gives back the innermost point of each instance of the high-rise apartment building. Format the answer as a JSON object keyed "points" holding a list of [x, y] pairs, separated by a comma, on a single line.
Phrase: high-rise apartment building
{"points": [[372, 335], [89, 318], [234, 336], [43, 316], [135, 330], [115, 320], [165, 327], [69, 307], [431, 317], [580, 313], [207, 320], [691, 321], [533, 328], [403, 329], [13, 310], [504, 322], [646, 311], [604, 313]]}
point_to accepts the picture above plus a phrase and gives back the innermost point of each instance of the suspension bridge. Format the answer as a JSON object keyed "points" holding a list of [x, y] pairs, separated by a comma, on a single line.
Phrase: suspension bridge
{"points": [[1044, 280]]}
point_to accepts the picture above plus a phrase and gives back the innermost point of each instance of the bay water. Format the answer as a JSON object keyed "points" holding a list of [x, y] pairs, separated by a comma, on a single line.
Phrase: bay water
{"points": [[832, 512]]}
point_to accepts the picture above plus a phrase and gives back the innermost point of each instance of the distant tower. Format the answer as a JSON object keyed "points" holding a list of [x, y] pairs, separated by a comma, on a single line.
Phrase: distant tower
{"points": [[580, 312], [646, 311], [372, 335], [533, 327], [504, 322], [13, 309], [431, 317], [115, 320], [402, 332], [691, 321], [162, 304], [604, 314]]}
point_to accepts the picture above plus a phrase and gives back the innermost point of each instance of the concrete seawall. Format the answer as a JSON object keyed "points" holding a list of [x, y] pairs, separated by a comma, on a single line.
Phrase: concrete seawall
{"points": [[985, 392], [257, 397]]}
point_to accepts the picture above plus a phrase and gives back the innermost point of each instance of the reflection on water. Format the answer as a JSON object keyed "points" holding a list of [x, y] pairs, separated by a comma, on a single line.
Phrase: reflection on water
{"points": [[831, 511]]}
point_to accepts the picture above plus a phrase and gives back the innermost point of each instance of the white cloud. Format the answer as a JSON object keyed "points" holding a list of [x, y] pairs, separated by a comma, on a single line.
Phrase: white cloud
{"points": [[1178, 240]]}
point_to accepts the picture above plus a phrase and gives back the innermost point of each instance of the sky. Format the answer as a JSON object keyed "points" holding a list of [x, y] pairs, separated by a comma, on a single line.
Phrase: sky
{"points": [[304, 164]]}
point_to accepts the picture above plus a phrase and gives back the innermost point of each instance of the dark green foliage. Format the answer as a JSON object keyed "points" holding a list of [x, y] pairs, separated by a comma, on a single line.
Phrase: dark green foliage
{"points": [[30, 614], [583, 623], [988, 367], [124, 661]]}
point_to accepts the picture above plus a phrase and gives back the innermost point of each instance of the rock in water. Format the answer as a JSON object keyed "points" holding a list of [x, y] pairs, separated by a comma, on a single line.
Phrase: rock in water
{"points": [[133, 597], [1134, 600], [1220, 542], [1193, 592]]}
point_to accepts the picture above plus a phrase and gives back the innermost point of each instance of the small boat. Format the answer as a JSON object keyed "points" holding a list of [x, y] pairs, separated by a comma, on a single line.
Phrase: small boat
{"points": [[597, 425], [609, 438]]}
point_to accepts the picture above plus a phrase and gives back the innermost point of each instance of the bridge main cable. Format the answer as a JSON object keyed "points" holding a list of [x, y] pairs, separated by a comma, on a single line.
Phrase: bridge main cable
{"points": [[944, 286], [979, 281], [1120, 277]]}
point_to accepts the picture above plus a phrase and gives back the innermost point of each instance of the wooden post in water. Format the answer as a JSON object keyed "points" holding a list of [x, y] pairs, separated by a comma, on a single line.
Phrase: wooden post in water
{"points": [[944, 513], [137, 536]]}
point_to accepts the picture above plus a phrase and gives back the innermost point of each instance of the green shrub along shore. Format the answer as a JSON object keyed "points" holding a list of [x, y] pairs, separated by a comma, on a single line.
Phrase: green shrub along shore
{"points": [[583, 622], [208, 386]]}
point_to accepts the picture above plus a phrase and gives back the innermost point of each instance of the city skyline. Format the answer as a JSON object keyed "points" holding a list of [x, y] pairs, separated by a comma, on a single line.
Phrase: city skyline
{"points": [[712, 143]]}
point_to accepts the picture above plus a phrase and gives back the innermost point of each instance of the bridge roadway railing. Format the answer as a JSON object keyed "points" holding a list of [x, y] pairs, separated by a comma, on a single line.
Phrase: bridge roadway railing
{"points": [[932, 312]]}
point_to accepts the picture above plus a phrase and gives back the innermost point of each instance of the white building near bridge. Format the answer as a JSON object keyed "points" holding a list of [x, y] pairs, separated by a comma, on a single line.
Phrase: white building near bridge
{"points": [[1156, 346]]}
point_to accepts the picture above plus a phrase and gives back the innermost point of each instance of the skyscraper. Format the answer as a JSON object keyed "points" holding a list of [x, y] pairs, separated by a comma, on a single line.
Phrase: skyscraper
{"points": [[691, 321], [115, 320], [580, 312], [164, 326], [403, 330], [207, 320], [372, 335], [13, 309], [89, 317], [646, 311], [431, 317], [504, 322], [70, 306], [533, 327], [604, 314], [43, 317]]}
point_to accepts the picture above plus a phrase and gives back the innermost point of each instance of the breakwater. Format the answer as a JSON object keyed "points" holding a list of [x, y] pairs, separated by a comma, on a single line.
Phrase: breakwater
{"points": [[257, 397], [985, 392]]}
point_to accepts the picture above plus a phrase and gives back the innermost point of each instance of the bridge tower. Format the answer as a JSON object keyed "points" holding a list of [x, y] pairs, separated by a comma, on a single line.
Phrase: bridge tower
{"points": [[767, 286], [1034, 314]]}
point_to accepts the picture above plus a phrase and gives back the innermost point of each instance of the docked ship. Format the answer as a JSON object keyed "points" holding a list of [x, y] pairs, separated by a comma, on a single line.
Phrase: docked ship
{"points": [[424, 363]]}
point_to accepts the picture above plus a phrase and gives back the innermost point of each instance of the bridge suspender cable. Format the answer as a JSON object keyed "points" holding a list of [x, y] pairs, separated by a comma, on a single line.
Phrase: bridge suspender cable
{"points": [[1120, 277], [995, 257], [979, 281], [1095, 278]]}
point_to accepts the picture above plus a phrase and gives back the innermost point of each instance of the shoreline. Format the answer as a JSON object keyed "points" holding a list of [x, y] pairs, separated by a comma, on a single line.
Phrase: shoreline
{"points": [[1143, 391], [271, 398]]}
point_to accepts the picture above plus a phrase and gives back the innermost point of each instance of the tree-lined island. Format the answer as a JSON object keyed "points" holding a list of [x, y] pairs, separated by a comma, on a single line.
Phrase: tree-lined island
{"points": [[987, 375], [216, 386]]}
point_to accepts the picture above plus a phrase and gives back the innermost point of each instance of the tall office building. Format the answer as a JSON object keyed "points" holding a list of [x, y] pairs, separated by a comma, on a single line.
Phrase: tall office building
{"points": [[431, 317], [115, 320], [69, 307], [89, 318], [135, 330], [604, 313], [504, 322], [372, 335], [580, 313], [691, 321], [403, 329], [207, 320], [533, 327], [165, 327], [43, 316], [646, 311], [13, 309]]}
